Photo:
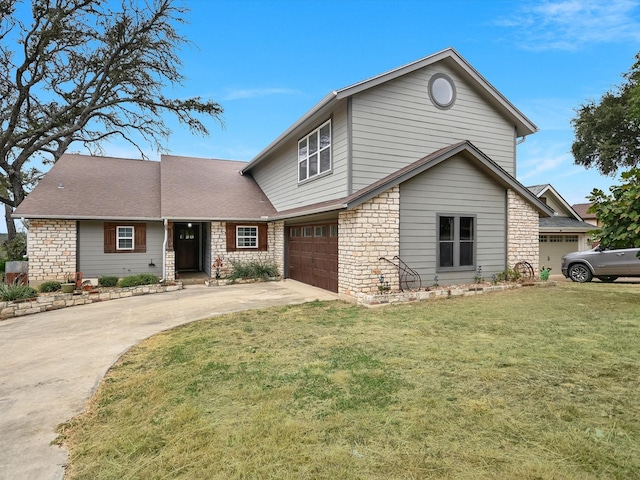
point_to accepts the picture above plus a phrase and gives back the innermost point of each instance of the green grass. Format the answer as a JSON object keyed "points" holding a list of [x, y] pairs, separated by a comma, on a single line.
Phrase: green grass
{"points": [[526, 384]]}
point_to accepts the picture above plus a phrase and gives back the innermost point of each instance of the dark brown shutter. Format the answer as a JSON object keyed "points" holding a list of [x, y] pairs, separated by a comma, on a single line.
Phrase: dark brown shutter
{"points": [[140, 237], [231, 237], [110, 238], [262, 238]]}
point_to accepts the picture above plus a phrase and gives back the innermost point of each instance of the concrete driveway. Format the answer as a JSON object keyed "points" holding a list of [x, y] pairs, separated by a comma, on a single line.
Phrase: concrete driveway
{"points": [[51, 363]]}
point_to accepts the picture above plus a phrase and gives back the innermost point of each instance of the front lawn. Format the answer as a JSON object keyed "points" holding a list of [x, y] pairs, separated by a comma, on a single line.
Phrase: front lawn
{"points": [[525, 384]]}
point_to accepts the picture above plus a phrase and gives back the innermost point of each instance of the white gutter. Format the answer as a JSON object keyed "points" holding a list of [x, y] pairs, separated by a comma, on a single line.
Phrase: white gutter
{"points": [[164, 250]]}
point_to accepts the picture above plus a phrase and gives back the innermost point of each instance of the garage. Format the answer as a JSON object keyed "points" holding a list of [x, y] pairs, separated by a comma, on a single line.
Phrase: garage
{"points": [[553, 247], [313, 255]]}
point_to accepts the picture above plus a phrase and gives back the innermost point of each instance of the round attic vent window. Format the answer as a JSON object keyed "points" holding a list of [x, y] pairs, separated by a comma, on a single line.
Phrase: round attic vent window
{"points": [[442, 91]]}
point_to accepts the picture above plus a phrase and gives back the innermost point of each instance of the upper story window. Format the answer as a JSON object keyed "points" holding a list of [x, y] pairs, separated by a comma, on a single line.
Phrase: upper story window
{"points": [[314, 152], [442, 91]]}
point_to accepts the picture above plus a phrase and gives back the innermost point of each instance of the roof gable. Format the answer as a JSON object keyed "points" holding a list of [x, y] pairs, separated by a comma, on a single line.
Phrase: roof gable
{"points": [[450, 56], [548, 191]]}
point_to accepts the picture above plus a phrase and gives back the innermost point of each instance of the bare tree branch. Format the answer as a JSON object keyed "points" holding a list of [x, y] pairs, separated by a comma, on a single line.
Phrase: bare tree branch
{"points": [[86, 71]]}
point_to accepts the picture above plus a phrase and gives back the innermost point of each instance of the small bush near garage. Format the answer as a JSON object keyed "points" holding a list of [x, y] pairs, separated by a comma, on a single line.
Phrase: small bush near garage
{"points": [[108, 281], [9, 293], [50, 286], [140, 279], [252, 270]]}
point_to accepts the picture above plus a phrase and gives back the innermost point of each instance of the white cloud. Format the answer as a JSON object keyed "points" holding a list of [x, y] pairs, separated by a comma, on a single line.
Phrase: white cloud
{"points": [[543, 165], [241, 94], [570, 24]]}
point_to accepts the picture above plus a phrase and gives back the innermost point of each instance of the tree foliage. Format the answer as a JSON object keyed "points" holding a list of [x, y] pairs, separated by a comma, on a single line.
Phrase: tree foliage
{"points": [[607, 134], [87, 71], [619, 212]]}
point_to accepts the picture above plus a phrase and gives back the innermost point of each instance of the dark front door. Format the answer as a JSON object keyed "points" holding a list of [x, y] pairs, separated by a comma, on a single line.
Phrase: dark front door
{"points": [[187, 246]]}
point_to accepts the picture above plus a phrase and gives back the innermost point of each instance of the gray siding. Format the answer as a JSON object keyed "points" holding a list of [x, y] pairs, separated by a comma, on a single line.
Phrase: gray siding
{"points": [[453, 187], [93, 262], [395, 124], [278, 174]]}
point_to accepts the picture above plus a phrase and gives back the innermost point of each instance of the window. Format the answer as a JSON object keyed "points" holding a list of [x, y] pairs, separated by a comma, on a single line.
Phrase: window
{"points": [[442, 91], [320, 231], [127, 238], [542, 238], [124, 238], [456, 242], [314, 153], [556, 238], [246, 237], [333, 230], [571, 238]]}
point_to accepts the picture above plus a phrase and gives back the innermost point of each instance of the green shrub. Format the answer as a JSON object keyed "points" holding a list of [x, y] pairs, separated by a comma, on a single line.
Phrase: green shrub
{"points": [[508, 275], [50, 286], [253, 270], [9, 293], [108, 281], [16, 249], [140, 279]]}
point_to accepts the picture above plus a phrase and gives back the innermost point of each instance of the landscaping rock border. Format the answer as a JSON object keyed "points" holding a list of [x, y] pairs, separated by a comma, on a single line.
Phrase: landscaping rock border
{"points": [[437, 293], [45, 303]]}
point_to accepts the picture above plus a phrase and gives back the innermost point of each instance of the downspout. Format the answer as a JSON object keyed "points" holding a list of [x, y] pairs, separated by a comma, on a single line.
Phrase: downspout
{"points": [[518, 142], [164, 250]]}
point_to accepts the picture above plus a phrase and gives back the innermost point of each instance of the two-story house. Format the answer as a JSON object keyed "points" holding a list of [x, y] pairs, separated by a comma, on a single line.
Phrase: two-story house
{"points": [[417, 163]]}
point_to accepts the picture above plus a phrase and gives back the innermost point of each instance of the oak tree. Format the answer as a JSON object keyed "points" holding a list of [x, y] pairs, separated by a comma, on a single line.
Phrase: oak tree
{"points": [[87, 71], [619, 212], [607, 133]]}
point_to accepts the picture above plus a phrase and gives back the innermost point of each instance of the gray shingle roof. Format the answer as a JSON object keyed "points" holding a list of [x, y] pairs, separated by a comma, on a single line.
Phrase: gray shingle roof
{"points": [[83, 186], [564, 223], [205, 189], [86, 187]]}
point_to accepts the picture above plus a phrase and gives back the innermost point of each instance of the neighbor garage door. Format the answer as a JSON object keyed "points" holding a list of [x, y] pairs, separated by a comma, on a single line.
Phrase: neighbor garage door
{"points": [[553, 247], [313, 255]]}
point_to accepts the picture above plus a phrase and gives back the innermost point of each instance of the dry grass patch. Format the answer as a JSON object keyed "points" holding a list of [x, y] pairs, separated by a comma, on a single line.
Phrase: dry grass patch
{"points": [[527, 384]]}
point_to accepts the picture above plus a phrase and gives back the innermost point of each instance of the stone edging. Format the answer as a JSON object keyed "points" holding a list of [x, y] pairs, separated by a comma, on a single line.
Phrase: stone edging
{"points": [[45, 303], [370, 300]]}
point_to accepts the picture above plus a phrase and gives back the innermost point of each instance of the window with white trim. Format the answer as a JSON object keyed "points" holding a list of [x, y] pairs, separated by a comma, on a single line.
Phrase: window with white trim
{"points": [[456, 242], [246, 237], [314, 153], [124, 238]]}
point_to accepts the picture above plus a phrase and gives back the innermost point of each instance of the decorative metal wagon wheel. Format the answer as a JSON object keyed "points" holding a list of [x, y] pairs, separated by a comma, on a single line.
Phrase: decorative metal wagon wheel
{"points": [[525, 270], [409, 279]]}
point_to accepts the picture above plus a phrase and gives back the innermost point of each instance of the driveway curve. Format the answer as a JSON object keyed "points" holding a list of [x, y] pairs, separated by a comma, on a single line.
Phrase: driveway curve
{"points": [[51, 363]]}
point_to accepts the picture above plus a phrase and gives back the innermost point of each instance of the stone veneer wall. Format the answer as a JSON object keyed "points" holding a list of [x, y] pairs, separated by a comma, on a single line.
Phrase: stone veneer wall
{"points": [[274, 253], [523, 226], [52, 250], [170, 265], [367, 233]]}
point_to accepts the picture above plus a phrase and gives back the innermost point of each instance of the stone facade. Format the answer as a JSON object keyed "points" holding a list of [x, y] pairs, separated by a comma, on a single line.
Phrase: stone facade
{"points": [[366, 234], [52, 250], [522, 232], [274, 253], [170, 265]]}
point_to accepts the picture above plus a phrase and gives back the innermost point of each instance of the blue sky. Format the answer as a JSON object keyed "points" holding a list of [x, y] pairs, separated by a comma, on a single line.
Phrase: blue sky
{"points": [[269, 61]]}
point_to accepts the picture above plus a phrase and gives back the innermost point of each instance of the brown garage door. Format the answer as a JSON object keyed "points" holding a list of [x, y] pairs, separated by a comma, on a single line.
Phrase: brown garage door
{"points": [[313, 255]]}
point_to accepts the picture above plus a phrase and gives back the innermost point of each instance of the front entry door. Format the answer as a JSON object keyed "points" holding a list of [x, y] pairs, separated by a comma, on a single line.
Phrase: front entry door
{"points": [[187, 246]]}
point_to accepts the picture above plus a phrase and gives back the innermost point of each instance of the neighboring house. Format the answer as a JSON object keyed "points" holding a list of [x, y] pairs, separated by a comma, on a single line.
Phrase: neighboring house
{"points": [[582, 210], [417, 163], [562, 233]]}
